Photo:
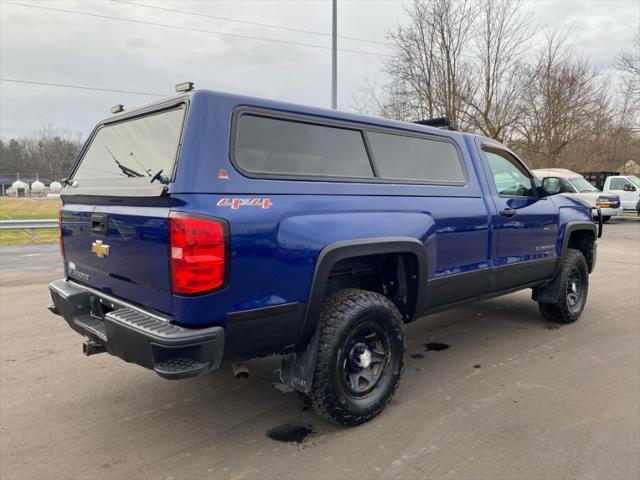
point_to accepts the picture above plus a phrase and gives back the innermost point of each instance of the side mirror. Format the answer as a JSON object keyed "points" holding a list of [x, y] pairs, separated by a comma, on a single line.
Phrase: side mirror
{"points": [[629, 188], [552, 185]]}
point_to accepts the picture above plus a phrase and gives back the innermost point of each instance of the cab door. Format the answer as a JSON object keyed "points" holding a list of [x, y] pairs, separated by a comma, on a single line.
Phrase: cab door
{"points": [[525, 225], [626, 190]]}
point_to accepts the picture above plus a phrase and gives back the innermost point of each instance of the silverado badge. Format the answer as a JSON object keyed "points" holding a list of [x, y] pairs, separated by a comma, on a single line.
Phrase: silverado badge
{"points": [[99, 249]]}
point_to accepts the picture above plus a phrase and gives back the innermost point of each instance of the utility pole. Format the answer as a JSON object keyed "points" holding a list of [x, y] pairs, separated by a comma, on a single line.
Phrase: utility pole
{"points": [[334, 57]]}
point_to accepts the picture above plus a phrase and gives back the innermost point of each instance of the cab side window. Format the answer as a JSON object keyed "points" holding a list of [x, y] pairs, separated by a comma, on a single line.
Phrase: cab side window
{"points": [[617, 183], [509, 176]]}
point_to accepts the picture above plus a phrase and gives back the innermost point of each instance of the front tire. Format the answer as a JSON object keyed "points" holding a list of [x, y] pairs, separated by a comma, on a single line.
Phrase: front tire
{"points": [[606, 218], [574, 285], [361, 354]]}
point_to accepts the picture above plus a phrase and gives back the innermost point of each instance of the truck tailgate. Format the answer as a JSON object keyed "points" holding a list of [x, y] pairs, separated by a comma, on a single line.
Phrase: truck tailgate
{"points": [[120, 250]]}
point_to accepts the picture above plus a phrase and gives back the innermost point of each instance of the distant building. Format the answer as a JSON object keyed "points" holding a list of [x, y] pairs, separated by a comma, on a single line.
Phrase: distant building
{"points": [[5, 184], [630, 168]]}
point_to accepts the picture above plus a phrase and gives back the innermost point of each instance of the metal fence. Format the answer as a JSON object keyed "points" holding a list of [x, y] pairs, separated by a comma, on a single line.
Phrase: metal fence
{"points": [[28, 224]]}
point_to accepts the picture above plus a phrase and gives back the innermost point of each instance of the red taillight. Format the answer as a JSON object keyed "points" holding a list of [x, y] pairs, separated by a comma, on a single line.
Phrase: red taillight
{"points": [[60, 233], [198, 253]]}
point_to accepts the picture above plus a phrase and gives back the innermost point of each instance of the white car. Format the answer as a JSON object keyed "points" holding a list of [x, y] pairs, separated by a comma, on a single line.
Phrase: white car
{"points": [[575, 185], [627, 187]]}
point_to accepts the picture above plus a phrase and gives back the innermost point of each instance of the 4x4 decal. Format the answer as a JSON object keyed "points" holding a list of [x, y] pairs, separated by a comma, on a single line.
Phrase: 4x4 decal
{"points": [[236, 203]]}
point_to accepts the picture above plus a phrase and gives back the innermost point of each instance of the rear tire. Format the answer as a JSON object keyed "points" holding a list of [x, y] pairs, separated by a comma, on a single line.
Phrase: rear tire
{"points": [[605, 219], [574, 286], [361, 354]]}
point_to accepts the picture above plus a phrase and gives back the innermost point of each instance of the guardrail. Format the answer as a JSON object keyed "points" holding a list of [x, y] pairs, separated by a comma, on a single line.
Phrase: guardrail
{"points": [[28, 224]]}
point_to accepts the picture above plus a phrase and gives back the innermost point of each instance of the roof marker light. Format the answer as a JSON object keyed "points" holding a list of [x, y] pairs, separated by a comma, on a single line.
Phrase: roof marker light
{"points": [[184, 87], [117, 108]]}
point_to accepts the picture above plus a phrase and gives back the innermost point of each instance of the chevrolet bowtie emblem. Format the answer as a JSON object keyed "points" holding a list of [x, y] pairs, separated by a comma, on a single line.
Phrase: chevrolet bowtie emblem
{"points": [[99, 249]]}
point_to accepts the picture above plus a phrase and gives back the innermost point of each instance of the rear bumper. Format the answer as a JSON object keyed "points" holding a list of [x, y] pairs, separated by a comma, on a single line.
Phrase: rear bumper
{"points": [[135, 335]]}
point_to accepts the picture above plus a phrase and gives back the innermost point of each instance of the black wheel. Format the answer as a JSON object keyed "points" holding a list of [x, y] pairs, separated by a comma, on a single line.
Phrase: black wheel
{"points": [[574, 284], [360, 356], [606, 218]]}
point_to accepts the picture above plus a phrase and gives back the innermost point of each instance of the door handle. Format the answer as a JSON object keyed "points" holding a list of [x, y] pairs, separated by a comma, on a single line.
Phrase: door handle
{"points": [[507, 212], [99, 223]]}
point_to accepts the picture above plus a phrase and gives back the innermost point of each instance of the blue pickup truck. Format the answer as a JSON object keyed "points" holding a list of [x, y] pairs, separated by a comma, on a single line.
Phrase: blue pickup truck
{"points": [[209, 229]]}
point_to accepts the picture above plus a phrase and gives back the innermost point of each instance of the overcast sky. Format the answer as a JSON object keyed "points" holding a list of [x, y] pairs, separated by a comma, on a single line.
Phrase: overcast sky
{"points": [[51, 46]]}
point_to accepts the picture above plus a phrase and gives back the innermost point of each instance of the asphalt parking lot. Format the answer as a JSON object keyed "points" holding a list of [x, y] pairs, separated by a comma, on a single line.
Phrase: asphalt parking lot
{"points": [[511, 397]]}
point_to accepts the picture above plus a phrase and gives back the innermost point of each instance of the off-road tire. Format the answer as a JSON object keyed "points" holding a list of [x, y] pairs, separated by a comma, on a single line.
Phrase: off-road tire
{"points": [[563, 311], [343, 314]]}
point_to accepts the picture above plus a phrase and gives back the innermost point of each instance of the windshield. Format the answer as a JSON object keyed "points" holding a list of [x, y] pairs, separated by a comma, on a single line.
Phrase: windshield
{"points": [[635, 180], [582, 185], [134, 148]]}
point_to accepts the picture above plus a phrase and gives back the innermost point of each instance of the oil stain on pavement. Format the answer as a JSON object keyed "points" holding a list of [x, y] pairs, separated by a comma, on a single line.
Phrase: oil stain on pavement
{"points": [[435, 347], [291, 433]]}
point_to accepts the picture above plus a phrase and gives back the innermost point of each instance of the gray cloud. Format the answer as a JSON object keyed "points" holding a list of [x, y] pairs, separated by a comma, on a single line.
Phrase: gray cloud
{"points": [[60, 47]]}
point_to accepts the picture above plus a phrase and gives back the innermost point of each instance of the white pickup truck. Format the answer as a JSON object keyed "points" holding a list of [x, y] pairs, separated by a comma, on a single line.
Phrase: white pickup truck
{"points": [[575, 185], [627, 187]]}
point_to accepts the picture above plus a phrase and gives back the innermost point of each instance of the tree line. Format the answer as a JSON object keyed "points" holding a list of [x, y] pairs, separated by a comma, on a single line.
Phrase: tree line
{"points": [[487, 67], [48, 154]]}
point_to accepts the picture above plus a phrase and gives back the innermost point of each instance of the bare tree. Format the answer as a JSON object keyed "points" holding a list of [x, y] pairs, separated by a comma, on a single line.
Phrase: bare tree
{"points": [[496, 104], [622, 127], [393, 103], [629, 61], [475, 62], [563, 94], [429, 75], [437, 71]]}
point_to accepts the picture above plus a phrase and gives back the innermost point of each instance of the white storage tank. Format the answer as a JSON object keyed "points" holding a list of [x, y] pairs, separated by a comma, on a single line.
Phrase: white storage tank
{"points": [[37, 187], [20, 188]]}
